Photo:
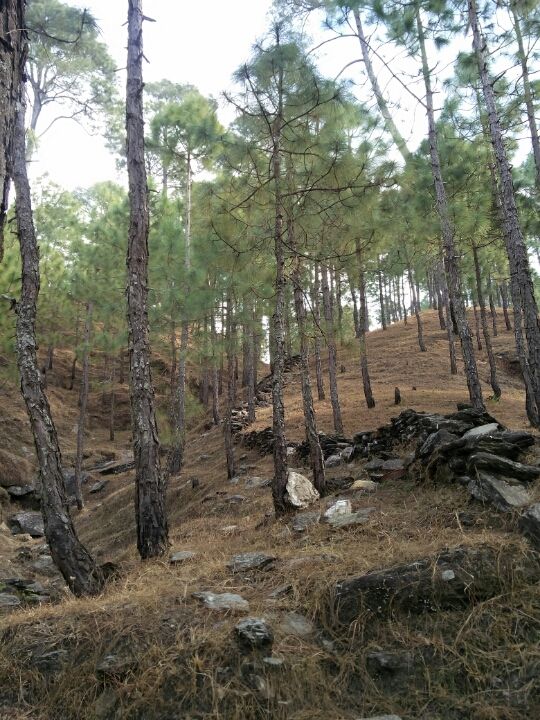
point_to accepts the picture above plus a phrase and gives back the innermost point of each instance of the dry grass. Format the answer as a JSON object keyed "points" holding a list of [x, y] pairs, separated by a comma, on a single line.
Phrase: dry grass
{"points": [[477, 664]]}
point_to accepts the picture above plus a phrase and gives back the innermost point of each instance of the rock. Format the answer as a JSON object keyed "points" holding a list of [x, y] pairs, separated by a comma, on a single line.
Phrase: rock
{"points": [[27, 522], [222, 601], [435, 441], [332, 461], [281, 591], [361, 517], [347, 454], [498, 492], [509, 468], [229, 529], [14, 470], [116, 664], [273, 662], [51, 661], [250, 561], [529, 524], [20, 491], [181, 556], [300, 491], [7, 601], [254, 634], [258, 482], [296, 624], [113, 467], [340, 507], [45, 565], [338, 484], [98, 486], [450, 580], [305, 520], [235, 499], [488, 429], [392, 469], [365, 485]]}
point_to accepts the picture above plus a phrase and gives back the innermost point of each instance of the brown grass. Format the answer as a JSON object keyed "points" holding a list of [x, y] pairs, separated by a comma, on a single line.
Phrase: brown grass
{"points": [[477, 664]]}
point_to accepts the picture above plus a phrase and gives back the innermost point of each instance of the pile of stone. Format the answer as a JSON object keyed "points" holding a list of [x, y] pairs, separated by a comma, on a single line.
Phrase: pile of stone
{"points": [[261, 440], [16, 592], [331, 445]]}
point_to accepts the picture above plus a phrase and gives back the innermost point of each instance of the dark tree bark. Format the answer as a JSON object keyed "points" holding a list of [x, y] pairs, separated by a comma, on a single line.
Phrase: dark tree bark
{"points": [[13, 50], [112, 408], [477, 324], [312, 436], [332, 352], [381, 294], [492, 308], [215, 379], [504, 302], [485, 329], [83, 401], [150, 511], [339, 307], [416, 308], [317, 342], [230, 341], [355, 305], [362, 323], [522, 288], [77, 566], [250, 360], [448, 238]]}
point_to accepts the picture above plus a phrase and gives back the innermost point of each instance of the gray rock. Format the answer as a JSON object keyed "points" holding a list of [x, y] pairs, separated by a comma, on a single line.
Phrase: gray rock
{"points": [[44, 564], [274, 662], [51, 661], [20, 491], [305, 520], [297, 624], [7, 600], [254, 634], [361, 517], [488, 429], [222, 601], [98, 486], [300, 491], [435, 441], [333, 461], [27, 522], [340, 507], [235, 499], [529, 524], [502, 466], [347, 454], [385, 662], [181, 557], [498, 492], [258, 482], [116, 664], [281, 591], [250, 561]]}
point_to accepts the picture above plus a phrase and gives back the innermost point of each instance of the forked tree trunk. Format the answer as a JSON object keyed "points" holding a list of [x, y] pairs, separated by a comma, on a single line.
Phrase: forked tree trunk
{"points": [[362, 323], [83, 401], [332, 352], [317, 342], [77, 566], [448, 238], [485, 329], [522, 288], [312, 436], [150, 512]]}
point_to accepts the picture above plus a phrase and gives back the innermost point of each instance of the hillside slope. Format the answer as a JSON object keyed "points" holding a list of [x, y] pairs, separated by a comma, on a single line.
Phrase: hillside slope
{"points": [[149, 649]]}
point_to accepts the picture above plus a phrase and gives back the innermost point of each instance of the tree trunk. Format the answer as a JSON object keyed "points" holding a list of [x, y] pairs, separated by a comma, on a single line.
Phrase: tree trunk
{"points": [[492, 309], [362, 322], [112, 408], [337, 288], [332, 353], [391, 127], [521, 287], [231, 383], [215, 379], [485, 329], [312, 436], [381, 295], [317, 342], [77, 566], [355, 305], [504, 301], [250, 360], [417, 315], [477, 324], [449, 245], [13, 51], [83, 401], [279, 482], [152, 529]]}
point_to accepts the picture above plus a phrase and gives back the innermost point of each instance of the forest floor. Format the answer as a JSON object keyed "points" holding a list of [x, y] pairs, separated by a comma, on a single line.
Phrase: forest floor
{"points": [[148, 649]]}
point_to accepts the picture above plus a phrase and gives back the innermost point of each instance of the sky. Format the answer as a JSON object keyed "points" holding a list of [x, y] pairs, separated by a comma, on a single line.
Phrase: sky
{"points": [[195, 42]]}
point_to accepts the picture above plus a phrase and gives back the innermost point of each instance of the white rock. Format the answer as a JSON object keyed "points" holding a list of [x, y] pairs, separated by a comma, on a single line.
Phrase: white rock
{"points": [[482, 430], [340, 507], [300, 490], [365, 485]]}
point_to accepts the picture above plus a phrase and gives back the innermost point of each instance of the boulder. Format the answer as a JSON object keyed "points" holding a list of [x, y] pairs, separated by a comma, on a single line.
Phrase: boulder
{"points": [[497, 491], [8, 601], [300, 491], [435, 441], [500, 465], [18, 492], [250, 561], [392, 469], [529, 524], [258, 482], [222, 601], [488, 429], [27, 522], [254, 634], [98, 486], [332, 461], [14, 470], [296, 624], [361, 517], [303, 521], [450, 580], [347, 454], [366, 486], [340, 507]]}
